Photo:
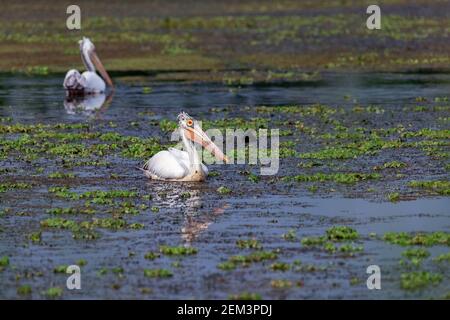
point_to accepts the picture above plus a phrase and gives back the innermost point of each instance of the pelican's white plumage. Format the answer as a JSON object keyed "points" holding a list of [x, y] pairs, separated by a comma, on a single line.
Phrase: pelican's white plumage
{"points": [[171, 164], [89, 82], [178, 165]]}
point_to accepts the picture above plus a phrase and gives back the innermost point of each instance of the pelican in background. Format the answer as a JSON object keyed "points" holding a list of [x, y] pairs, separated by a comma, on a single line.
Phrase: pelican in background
{"points": [[177, 165], [89, 82]]}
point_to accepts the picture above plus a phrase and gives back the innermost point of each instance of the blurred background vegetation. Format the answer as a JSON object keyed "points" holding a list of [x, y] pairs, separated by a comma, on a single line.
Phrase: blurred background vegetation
{"points": [[202, 40]]}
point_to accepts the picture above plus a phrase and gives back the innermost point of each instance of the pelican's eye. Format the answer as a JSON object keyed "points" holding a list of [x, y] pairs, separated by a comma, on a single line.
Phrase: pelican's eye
{"points": [[190, 122]]}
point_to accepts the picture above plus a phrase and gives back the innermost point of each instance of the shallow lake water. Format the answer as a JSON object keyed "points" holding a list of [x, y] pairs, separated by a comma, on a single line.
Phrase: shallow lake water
{"points": [[211, 222]]}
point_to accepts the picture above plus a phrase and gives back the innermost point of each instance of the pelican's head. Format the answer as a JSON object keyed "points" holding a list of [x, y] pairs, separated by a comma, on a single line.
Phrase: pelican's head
{"points": [[91, 60], [192, 131], [86, 45]]}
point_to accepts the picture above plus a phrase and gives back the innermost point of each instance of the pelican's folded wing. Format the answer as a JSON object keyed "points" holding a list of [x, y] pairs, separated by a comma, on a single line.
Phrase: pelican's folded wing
{"points": [[184, 157], [165, 165], [74, 80]]}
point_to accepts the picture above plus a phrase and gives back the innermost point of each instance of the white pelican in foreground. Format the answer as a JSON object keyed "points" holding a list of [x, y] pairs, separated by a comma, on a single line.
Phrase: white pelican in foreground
{"points": [[89, 82], [177, 165]]}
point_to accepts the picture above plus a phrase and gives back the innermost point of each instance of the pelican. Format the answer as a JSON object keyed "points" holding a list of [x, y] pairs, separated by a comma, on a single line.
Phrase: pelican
{"points": [[178, 165], [89, 82]]}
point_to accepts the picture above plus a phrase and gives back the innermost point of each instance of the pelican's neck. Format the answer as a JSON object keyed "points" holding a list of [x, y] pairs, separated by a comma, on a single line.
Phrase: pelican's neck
{"points": [[194, 159], [87, 60]]}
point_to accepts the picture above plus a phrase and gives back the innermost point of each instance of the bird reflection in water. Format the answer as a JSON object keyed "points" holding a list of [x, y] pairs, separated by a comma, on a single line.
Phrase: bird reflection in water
{"points": [[92, 105], [198, 213], [195, 223]]}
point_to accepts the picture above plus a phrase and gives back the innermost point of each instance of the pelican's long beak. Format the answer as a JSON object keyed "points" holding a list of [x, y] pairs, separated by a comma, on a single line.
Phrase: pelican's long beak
{"points": [[98, 64], [197, 135]]}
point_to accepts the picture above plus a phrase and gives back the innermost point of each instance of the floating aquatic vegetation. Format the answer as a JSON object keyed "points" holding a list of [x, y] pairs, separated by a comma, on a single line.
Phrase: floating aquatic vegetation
{"points": [[281, 284], [341, 233], [445, 257], [36, 237], [70, 211], [415, 256], [394, 164], [86, 229], [419, 280], [52, 293], [393, 197], [223, 190], [290, 235], [440, 187], [280, 266], [24, 290], [60, 269], [248, 244], [154, 209], [245, 296], [410, 239], [4, 261], [334, 235], [416, 253], [246, 260], [227, 265], [13, 185], [158, 273], [177, 251], [345, 178], [81, 262]]}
